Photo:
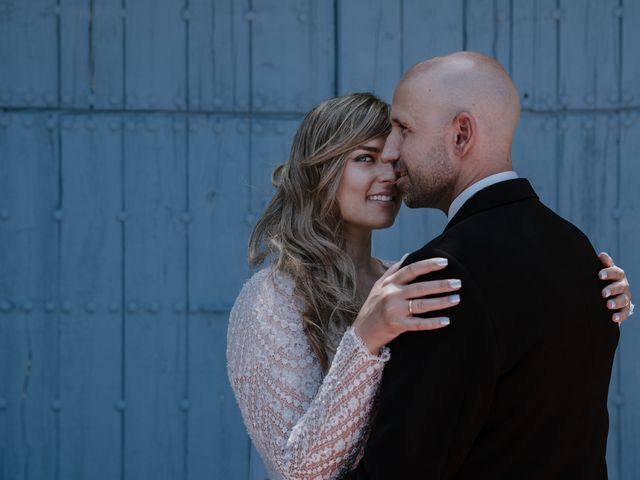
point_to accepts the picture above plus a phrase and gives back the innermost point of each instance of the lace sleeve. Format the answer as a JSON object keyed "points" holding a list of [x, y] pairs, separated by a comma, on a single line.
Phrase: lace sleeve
{"points": [[304, 426]]}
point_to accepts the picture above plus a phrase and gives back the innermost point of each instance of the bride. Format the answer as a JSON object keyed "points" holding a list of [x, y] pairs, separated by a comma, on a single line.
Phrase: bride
{"points": [[303, 365]]}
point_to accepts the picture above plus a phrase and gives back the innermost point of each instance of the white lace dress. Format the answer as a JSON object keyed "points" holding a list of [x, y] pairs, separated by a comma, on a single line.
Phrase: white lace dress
{"points": [[303, 424]]}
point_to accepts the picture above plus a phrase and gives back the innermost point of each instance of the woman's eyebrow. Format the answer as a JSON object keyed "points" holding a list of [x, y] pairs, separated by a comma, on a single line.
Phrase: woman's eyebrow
{"points": [[369, 149]]}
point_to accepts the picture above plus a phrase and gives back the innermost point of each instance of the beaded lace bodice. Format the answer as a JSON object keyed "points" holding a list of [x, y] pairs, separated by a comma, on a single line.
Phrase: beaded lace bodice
{"points": [[304, 425]]}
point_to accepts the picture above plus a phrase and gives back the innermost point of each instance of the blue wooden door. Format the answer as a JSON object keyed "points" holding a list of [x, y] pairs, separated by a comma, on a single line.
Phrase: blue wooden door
{"points": [[137, 138]]}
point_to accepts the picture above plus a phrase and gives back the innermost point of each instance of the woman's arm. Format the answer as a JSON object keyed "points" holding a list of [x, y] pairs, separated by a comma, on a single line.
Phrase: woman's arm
{"points": [[305, 426]]}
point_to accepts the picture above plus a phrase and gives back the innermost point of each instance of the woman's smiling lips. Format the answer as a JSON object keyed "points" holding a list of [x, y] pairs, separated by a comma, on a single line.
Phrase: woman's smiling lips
{"points": [[383, 198]]}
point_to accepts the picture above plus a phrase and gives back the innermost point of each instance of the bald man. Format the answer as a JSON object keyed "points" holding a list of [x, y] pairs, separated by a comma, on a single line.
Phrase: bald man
{"points": [[516, 387]]}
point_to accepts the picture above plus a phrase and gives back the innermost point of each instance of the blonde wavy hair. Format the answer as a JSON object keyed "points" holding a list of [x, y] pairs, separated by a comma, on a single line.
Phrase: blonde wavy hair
{"points": [[301, 228]]}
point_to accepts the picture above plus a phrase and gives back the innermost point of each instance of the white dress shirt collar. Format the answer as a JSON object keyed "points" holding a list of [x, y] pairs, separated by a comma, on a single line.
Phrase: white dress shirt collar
{"points": [[474, 188]]}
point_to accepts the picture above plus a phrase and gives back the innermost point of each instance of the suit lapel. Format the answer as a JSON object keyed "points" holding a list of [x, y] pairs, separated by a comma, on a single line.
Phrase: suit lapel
{"points": [[493, 196]]}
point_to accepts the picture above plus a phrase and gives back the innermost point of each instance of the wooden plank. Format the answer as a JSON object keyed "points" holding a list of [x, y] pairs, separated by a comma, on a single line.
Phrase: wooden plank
{"points": [[275, 137], [219, 55], [369, 40], [589, 80], [219, 203], [534, 155], [534, 53], [431, 28], [292, 54], [488, 30], [29, 318], [156, 294], [28, 53], [91, 282], [587, 197], [630, 80], [155, 64], [91, 60], [629, 258], [587, 169]]}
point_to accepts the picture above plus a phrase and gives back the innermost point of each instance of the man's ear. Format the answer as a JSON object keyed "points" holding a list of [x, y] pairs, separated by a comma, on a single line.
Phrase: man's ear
{"points": [[464, 130]]}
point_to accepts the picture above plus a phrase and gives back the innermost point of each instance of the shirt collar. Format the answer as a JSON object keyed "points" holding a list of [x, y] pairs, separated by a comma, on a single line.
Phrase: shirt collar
{"points": [[474, 188]]}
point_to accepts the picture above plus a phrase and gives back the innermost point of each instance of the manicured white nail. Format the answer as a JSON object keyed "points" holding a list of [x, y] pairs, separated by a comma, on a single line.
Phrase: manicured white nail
{"points": [[603, 275], [454, 298], [442, 262], [611, 304], [616, 317], [607, 293], [444, 321], [455, 283], [404, 257]]}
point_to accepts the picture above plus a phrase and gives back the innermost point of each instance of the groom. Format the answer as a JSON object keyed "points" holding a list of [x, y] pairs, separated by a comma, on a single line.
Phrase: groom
{"points": [[516, 387]]}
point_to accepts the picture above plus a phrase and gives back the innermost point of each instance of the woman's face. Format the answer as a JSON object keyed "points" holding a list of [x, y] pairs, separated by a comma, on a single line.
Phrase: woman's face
{"points": [[367, 195]]}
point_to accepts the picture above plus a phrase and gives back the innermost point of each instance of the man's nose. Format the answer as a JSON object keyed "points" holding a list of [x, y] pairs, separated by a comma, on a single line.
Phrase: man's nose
{"points": [[390, 152]]}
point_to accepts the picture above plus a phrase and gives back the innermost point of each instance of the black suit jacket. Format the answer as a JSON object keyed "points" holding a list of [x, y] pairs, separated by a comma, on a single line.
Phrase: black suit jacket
{"points": [[516, 387]]}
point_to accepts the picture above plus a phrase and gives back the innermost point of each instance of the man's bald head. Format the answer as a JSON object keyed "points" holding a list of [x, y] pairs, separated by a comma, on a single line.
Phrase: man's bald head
{"points": [[471, 82], [453, 119]]}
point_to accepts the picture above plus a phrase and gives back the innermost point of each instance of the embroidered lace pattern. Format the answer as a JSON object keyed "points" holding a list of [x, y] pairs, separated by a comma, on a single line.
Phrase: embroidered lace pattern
{"points": [[304, 425]]}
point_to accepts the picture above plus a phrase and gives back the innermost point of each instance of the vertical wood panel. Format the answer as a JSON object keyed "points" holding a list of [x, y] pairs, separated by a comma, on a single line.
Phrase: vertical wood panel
{"points": [[588, 166], [534, 155], [431, 28], [155, 64], [534, 56], [588, 198], [75, 68], [91, 282], [629, 258], [155, 289], [630, 59], [219, 55], [28, 53], [29, 259], [292, 54], [219, 201], [370, 40], [91, 35], [487, 29], [274, 137], [589, 63]]}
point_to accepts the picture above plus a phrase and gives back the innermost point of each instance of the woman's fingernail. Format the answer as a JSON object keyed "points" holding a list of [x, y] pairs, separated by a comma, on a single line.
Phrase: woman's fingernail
{"points": [[444, 321], [455, 283], [606, 293], [442, 262], [454, 298], [603, 275], [404, 257], [611, 304], [616, 317]]}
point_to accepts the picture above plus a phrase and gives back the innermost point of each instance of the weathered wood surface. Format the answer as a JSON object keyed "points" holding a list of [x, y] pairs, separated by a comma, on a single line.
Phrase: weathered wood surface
{"points": [[137, 140]]}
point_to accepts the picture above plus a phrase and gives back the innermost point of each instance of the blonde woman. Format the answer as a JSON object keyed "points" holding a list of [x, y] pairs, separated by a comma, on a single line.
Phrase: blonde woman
{"points": [[303, 377]]}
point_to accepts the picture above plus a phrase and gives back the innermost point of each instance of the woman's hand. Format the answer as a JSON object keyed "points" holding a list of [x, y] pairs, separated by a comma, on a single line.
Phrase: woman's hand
{"points": [[389, 308], [618, 291]]}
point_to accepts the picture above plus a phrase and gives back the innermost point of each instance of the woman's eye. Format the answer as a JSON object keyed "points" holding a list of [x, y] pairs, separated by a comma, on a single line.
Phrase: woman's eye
{"points": [[364, 158]]}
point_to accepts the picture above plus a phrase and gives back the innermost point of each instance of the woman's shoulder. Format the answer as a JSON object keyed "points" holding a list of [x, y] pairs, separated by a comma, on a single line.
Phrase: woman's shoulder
{"points": [[268, 281], [268, 293]]}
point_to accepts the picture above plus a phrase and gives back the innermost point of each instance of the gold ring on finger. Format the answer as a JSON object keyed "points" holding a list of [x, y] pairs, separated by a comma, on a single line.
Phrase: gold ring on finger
{"points": [[410, 307]]}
